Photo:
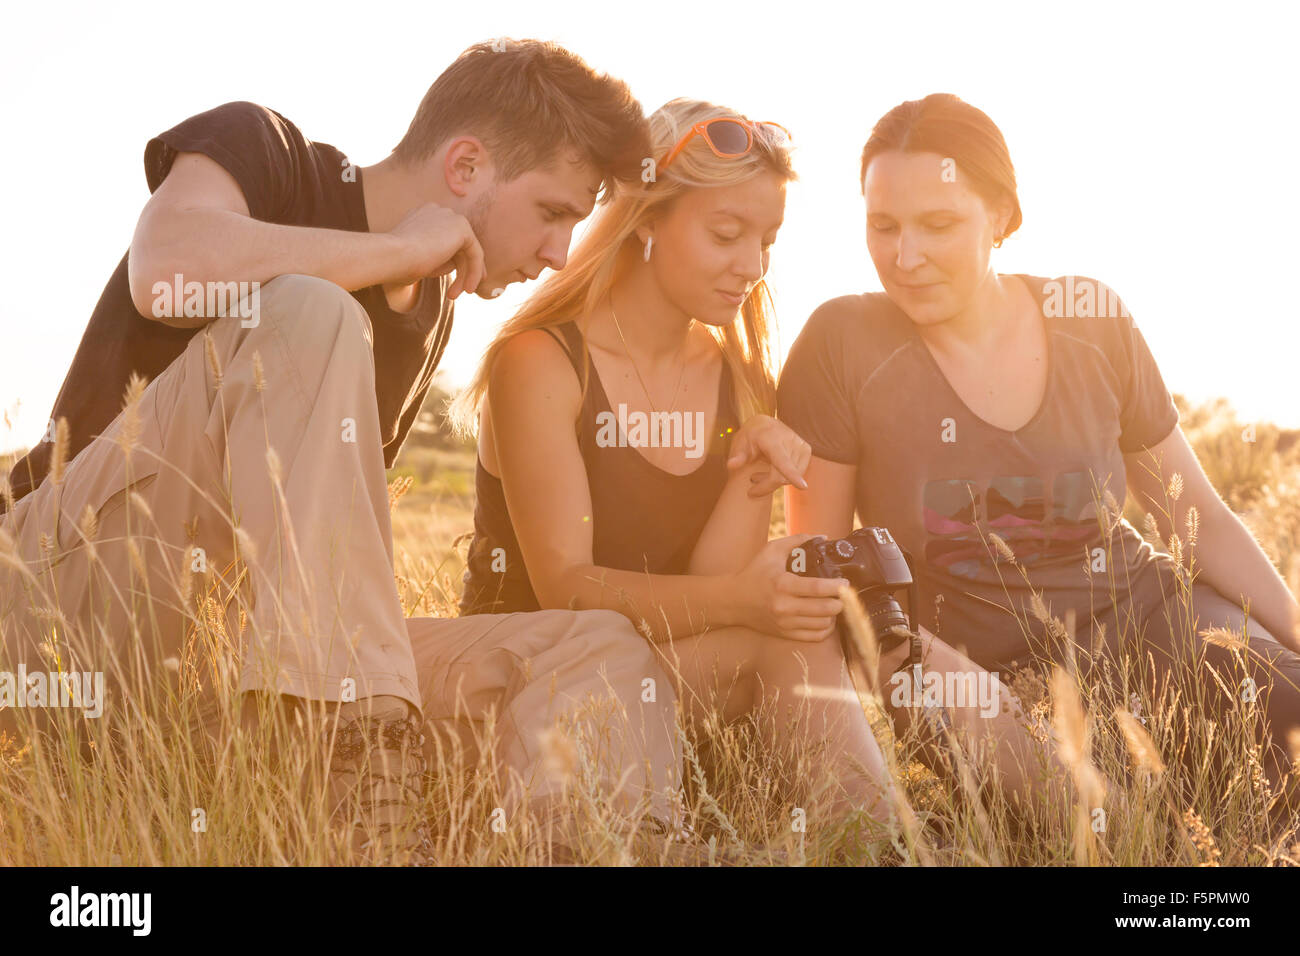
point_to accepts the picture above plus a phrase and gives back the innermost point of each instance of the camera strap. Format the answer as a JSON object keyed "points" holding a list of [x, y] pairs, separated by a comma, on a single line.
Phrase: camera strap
{"points": [[918, 673], [936, 717], [932, 715]]}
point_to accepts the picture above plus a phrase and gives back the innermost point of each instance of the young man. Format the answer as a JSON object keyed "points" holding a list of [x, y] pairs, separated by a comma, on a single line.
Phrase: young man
{"points": [[323, 294]]}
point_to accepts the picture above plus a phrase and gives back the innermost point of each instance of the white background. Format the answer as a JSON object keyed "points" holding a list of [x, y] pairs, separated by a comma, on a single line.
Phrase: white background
{"points": [[1156, 146]]}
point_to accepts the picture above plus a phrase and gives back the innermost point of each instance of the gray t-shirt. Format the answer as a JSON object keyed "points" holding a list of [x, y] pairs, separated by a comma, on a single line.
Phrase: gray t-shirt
{"points": [[862, 388]]}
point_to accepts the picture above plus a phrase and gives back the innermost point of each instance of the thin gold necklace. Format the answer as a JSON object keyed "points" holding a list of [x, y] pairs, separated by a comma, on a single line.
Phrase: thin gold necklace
{"points": [[628, 352]]}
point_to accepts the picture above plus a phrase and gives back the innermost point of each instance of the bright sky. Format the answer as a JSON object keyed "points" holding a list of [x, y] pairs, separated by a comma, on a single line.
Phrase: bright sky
{"points": [[1155, 147]]}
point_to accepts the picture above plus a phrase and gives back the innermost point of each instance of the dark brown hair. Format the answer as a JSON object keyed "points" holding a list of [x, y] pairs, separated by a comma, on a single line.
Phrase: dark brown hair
{"points": [[527, 101], [949, 126]]}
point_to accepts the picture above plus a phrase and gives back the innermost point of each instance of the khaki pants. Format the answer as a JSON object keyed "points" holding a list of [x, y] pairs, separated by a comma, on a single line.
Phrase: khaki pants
{"points": [[259, 449]]}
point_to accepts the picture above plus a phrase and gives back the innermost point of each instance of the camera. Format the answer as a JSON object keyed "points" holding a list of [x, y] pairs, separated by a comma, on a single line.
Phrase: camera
{"points": [[875, 567]]}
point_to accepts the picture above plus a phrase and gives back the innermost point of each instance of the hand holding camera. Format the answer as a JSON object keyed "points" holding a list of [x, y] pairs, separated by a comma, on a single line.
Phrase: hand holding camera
{"points": [[875, 567], [771, 599]]}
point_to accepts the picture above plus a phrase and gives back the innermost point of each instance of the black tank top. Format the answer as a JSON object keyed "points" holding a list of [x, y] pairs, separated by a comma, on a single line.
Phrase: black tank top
{"points": [[644, 518]]}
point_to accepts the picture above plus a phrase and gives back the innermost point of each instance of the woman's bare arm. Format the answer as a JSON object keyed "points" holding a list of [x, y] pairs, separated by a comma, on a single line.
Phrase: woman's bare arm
{"points": [[765, 454], [1227, 554], [738, 526], [826, 506]]}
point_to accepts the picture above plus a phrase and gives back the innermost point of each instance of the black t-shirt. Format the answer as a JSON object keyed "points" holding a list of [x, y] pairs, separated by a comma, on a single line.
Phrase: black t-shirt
{"points": [[643, 518], [286, 179]]}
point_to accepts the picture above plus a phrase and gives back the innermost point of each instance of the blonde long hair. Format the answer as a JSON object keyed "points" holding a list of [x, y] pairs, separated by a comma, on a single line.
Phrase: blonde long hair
{"points": [[577, 289]]}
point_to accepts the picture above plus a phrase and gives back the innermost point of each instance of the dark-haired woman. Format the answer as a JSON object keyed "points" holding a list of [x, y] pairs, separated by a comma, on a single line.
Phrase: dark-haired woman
{"points": [[994, 423]]}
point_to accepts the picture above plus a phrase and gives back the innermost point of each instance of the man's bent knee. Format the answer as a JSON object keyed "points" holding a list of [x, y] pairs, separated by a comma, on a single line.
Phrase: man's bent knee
{"points": [[326, 307]]}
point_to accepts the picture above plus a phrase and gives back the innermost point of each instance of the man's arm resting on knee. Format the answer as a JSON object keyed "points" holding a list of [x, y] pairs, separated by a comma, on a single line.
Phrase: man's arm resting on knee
{"points": [[197, 225]]}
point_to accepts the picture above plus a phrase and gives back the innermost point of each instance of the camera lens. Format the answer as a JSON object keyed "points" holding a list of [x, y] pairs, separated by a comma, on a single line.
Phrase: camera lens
{"points": [[886, 614]]}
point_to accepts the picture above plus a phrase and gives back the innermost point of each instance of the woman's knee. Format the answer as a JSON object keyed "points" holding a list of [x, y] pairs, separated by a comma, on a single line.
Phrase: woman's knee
{"points": [[792, 661]]}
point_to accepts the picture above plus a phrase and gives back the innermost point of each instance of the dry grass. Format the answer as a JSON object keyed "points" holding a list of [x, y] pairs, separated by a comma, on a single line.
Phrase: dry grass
{"points": [[129, 791]]}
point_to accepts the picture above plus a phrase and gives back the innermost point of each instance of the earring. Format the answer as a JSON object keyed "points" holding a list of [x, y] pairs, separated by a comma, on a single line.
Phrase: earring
{"points": [[649, 244]]}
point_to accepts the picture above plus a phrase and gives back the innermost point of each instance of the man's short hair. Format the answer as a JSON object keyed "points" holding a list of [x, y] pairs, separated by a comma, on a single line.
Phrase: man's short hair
{"points": [[528, 101]]}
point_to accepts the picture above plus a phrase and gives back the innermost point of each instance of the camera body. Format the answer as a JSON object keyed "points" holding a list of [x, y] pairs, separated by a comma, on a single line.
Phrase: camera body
{"points": [[874, 566]]}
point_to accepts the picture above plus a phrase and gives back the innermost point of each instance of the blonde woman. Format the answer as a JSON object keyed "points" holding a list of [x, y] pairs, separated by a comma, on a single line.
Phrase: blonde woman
{"points": [[627, 457]]}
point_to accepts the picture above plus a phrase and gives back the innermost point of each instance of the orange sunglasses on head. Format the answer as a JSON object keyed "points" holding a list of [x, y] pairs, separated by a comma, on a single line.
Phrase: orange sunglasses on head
{"points": [[728, 138]]}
